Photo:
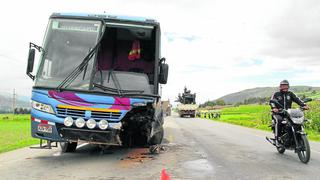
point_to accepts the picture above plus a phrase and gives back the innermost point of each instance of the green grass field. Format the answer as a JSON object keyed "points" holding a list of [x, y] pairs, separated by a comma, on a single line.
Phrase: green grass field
{"points": [[15, 132], [259, 117], [311, 94]]}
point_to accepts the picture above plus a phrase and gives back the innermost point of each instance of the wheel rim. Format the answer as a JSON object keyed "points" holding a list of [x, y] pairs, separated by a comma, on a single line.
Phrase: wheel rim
{"points": [[303, 154]]}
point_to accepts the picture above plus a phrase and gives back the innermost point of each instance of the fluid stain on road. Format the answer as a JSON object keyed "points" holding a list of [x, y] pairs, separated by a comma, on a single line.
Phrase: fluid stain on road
{"points": [[200, 168], [136, 156]]}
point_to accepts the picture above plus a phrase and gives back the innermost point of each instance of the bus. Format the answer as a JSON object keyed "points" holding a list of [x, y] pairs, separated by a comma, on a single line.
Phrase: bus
{"points": [[98, 81]]}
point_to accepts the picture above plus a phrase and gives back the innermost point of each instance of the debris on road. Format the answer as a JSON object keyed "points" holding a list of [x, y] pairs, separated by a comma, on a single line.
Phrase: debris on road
{"points": [[156, 149]]}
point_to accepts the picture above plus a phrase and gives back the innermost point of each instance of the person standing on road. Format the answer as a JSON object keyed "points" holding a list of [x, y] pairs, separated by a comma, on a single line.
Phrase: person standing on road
{"points": [[285, 99]]}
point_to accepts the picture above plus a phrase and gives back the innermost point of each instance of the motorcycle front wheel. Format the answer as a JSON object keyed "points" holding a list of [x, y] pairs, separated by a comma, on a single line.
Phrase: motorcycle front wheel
{"points": [[281, 149], [304, 151]]}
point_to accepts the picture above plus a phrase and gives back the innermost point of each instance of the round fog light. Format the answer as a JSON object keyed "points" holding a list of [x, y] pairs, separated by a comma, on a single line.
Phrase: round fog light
{"points": [[68, 121], [80, 122], [103, 124], [91, 123]]}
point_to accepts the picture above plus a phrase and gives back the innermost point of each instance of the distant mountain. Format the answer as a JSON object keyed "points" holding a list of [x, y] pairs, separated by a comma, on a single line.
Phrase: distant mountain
{"points": [[262, 92]]}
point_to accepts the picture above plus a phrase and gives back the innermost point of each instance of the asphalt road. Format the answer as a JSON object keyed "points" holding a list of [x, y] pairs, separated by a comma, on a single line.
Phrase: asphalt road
{"points": [[193, 149]]}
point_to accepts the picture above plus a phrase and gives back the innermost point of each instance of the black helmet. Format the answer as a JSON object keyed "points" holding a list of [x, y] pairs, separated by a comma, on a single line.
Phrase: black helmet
{"points": [[284, 82]]}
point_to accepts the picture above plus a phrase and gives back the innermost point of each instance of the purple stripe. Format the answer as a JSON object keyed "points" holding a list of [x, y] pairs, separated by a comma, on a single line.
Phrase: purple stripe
{"points": [[68, 98]]}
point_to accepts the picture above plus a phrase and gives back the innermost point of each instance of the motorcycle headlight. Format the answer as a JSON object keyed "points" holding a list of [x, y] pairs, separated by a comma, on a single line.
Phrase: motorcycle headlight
{"points": [[298, 120], [42, 107]]}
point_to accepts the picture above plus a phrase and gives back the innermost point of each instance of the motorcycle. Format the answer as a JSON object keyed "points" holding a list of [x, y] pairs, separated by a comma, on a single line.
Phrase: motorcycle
{"points": [[292, 135]]}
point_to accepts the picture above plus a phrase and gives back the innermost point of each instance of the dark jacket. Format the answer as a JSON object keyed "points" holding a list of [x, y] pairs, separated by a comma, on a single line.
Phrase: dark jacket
{"points": [[285, 99]]}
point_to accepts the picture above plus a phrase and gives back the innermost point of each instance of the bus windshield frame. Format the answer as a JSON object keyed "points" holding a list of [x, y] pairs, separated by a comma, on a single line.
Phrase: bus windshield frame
{"points": [[67, 42]]}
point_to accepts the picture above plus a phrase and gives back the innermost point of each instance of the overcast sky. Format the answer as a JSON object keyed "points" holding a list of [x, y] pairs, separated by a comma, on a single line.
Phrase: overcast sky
{"points": [[214, 47]]}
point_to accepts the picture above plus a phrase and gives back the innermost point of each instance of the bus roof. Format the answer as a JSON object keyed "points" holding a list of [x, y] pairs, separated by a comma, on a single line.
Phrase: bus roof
{"points": [[106, 17]]}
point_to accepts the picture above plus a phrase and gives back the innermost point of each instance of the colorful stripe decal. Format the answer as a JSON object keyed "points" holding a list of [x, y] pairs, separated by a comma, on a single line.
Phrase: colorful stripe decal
{"points": [[121, 103], [68, 98], [87, 108]]}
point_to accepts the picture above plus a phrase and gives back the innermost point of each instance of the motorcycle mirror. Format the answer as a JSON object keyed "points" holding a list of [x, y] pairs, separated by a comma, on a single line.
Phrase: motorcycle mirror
{"points": [[307, 100]]}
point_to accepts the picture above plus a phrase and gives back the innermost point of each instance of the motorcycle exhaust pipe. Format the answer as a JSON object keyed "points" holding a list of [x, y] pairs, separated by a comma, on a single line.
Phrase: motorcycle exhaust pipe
{"points": [[271, 141]]}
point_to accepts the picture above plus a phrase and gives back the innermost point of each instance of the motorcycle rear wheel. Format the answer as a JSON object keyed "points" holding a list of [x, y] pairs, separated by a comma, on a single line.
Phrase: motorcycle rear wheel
{"points": [[304, 152]]}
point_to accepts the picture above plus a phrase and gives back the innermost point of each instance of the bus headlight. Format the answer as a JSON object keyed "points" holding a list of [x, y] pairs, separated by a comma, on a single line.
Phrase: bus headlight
{"points": [[116, 125], [103, 124], [80, 122], [139, 104], [91, 123], [68, 121], [42, 107]]}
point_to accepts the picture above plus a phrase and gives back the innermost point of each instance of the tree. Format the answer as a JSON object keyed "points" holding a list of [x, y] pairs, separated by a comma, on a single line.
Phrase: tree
{"points": [[220, 102]]}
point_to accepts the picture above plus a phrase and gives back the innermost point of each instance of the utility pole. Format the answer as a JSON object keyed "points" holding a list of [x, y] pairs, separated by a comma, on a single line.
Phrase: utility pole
{"points": [[14, 100]]}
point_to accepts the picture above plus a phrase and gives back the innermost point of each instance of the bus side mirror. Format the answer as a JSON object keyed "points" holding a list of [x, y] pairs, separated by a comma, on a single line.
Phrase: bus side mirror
{"points": [[32, 52], [164, 71]]}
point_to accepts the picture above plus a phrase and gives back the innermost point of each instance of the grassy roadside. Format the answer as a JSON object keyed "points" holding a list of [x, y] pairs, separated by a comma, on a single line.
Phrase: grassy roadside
{"points": [[259, 117], [15, 132]]}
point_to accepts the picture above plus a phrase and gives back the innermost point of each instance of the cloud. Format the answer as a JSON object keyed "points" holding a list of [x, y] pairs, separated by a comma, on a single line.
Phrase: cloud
{"points": [[295, 33]]}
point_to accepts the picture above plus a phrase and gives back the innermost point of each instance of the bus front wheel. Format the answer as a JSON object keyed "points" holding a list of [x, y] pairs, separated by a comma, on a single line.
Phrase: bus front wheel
{"points": [[67, 147]]}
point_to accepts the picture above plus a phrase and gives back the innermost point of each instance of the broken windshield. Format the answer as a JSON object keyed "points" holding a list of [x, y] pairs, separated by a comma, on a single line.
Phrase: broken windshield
{"points": [[67, 42]]}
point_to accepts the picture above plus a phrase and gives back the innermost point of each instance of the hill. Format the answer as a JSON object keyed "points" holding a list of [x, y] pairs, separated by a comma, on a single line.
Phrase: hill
{"points": [[266, 92]]}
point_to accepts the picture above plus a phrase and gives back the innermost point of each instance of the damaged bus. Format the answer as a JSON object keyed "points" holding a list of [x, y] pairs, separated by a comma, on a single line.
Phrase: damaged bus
{"points": [[98, 81]]}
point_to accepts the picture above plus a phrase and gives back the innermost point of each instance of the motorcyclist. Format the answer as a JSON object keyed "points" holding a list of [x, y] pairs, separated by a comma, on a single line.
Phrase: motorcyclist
{"points": [[285, 99]]}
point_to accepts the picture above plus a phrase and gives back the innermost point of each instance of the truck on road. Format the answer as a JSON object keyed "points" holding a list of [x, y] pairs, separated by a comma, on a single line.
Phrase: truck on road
{"points": [[187, 106], [98, 81]]}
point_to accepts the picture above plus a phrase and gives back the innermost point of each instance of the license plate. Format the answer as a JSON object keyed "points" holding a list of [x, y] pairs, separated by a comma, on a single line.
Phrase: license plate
{"points": [[45, 128]]}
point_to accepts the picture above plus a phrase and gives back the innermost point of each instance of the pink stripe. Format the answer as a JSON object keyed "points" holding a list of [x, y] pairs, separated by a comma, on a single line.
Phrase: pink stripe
{"points": [[121, 103]]}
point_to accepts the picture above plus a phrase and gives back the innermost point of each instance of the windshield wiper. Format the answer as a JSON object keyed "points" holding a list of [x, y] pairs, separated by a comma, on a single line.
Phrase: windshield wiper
{"points": [[143, 95], [111, 73], [116, 90], [75, 73]]}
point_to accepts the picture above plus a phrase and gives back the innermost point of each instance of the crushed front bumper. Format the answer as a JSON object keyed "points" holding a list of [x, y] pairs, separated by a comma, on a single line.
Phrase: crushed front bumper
{"points": [[107, 137]]}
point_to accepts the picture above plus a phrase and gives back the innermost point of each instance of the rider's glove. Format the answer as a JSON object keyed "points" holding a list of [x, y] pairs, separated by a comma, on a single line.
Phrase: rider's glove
{"points": [[306, 107]]}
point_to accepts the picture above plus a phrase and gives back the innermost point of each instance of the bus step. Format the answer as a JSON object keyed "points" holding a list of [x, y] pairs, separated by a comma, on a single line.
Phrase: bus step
{"points": [[47, 145]]}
